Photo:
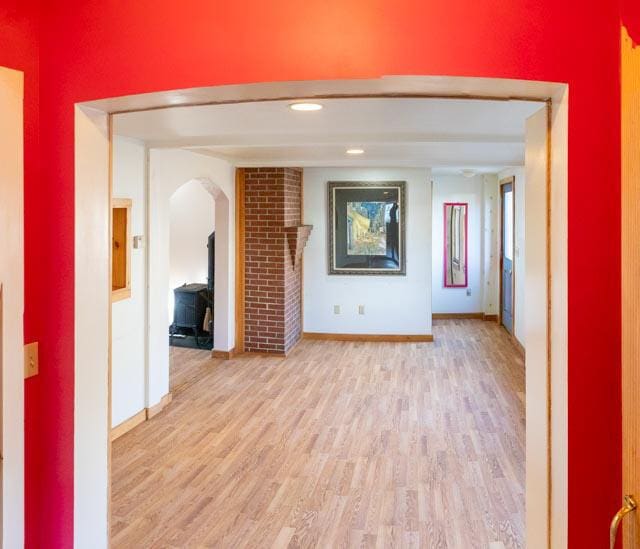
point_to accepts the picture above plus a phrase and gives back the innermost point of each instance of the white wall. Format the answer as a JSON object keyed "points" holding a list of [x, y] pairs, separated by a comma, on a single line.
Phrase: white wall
{"points": [[11, 309], [519, 252], [169, 169], [128, 379], [536, 327], [452, 188], [491, 244], [393, 304], [559, 348], [91, 329], [191, 221], [483, 195], [182, 186]]}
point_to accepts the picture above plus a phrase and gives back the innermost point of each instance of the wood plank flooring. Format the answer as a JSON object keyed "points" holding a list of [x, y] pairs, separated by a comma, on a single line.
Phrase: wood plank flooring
{"points": [[341, 444]]}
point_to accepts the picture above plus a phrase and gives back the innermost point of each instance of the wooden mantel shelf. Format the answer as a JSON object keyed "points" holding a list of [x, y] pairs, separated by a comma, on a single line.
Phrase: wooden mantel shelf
{"points": [[297, 239]]}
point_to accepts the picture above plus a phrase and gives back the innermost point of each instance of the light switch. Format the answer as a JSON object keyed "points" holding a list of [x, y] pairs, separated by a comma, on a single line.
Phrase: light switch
{"points": [[138, 242], [30, 359], [336, 309], [360, 309]]}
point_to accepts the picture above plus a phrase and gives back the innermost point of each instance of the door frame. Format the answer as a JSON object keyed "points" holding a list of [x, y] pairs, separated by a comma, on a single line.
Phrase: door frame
{"points": [[546, 461], [630, 261], [12, 308], [506, 181]]}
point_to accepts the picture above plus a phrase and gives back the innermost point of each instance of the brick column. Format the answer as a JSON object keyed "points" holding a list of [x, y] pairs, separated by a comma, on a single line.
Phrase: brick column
{"points": [[272, 204]]}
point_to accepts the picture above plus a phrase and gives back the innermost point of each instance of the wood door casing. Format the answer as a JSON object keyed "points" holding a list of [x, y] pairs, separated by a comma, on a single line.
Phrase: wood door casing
{"points": [[240, 257], [630, 206]]}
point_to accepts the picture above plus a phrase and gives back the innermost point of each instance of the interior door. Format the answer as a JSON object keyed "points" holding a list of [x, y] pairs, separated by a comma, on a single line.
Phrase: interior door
{"points": [[506, 255], [630, 293]]}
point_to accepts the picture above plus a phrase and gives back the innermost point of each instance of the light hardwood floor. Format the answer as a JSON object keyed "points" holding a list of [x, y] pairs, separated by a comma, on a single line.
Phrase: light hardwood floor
{"points": [[340, 444]]}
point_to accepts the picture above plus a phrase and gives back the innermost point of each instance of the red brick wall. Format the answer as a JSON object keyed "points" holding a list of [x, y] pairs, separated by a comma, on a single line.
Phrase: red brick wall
{"points": [[272, 285], [292, 273]]}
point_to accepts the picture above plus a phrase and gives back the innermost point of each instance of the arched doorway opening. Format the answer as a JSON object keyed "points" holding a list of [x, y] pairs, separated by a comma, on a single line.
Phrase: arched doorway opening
{"points": [[192, 264], [148, 180]]}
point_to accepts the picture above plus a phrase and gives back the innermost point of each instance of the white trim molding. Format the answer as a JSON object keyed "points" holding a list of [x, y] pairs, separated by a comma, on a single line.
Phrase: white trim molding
{"points": [[12, 307], [92, 271]]}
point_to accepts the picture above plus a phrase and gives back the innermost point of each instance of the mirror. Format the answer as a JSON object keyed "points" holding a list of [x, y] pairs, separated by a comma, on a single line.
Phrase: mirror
{"points": [[455, 245]]}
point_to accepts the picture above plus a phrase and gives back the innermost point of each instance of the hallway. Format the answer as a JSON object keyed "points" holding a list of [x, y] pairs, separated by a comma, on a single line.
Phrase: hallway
{"points": [[339, 444]]}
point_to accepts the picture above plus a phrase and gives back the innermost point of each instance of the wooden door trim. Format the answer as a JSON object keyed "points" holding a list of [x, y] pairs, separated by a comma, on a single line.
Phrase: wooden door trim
{"points": [[630, 273], [240, 259], [110, 324]]}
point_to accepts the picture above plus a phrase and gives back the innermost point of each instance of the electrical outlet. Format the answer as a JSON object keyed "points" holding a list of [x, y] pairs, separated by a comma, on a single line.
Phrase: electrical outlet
{"points": [[360, 309], [336, 309]]}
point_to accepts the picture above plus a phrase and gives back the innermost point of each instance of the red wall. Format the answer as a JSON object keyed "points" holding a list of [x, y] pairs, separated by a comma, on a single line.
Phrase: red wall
{"points": [[631, 18], [97, 49], [19, 48]]}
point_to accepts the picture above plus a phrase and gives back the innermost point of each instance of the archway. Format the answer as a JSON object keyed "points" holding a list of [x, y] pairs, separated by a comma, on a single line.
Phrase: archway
{"points": [[191, 225], [544, 453], [169, 171]]}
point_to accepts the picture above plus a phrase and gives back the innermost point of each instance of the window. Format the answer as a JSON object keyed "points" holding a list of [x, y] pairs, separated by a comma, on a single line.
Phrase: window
{"points": [[121, 249], [508, 225]]}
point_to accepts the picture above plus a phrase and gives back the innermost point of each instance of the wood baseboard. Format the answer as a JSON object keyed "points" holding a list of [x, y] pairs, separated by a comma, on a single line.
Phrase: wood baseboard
{"points": [[142, 416], [457, 316], [225, 355], [154, 410], [120, 294], [277, 354], [128, 424], [398, 338]]}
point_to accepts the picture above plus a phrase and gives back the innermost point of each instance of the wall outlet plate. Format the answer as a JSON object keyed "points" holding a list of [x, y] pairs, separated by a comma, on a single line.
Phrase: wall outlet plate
{"points": [[31, 365], [336, 309], [360, 309]]}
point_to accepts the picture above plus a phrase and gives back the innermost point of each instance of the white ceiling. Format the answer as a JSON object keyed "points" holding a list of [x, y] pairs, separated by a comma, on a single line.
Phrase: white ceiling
{"points": [[445, 134]]}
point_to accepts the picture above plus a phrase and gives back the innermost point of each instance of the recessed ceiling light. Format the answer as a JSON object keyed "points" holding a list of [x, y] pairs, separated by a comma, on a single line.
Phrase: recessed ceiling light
{"points": [[306, 107], [355, 151]]}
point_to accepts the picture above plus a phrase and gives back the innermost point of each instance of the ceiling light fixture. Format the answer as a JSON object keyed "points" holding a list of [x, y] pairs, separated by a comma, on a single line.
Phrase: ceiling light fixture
{"points": [[355, 151], [469, 173], [305, 107]]}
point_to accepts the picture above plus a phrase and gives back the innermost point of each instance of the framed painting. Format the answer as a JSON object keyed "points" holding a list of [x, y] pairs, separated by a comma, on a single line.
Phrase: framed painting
{"points": [[366, 223], [455, 245]]}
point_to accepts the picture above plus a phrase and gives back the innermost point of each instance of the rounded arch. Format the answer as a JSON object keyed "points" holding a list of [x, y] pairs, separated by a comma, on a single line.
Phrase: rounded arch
{"points": [[191, 221], [206, 183], [169, 171], [221, 219]]}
